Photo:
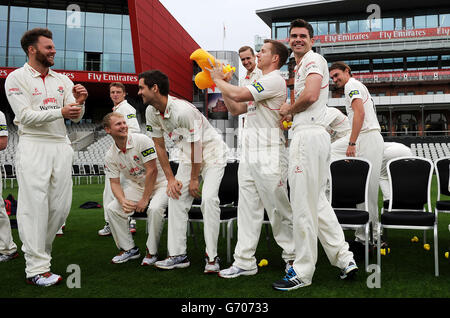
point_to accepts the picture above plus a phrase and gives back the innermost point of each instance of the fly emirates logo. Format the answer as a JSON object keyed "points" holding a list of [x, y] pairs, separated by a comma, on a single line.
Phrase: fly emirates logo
{"points": [[105, 77]]}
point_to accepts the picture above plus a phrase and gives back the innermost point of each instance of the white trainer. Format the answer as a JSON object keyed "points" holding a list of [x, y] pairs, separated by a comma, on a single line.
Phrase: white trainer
{"points": [[45, 280], [8, 257], [125, 256], [234, 271], [179, 261], [105, 231], [212, 267], [149, 259]]}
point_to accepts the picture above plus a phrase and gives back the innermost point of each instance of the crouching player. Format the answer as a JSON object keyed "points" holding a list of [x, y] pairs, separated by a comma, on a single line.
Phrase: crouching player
{"points": [[135, 157]]}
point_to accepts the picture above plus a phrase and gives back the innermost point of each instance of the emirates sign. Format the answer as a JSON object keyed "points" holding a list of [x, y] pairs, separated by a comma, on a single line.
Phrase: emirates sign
{"points": [[380, 35], [87, 76]]}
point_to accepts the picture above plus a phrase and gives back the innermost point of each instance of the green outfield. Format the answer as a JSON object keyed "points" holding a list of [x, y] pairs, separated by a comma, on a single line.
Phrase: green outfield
{"points": [[408, 271]]}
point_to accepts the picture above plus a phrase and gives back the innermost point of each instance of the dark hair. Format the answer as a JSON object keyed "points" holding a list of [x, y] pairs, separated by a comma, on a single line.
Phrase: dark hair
{"points": [[31, 37], [300, 23], [118, 84], [340, 66], [157, 77], [106, 122], [279, 49], [245, 48]]}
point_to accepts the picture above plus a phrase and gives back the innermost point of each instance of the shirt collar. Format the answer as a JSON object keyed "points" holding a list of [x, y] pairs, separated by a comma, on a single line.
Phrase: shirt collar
{"points": [[168, 110], [248, 76], [128, 146], [120, 104], [35, 73]]}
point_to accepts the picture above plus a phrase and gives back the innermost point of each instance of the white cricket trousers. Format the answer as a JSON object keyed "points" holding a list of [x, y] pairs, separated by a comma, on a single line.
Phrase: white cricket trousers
{"points": [[7, 245], [178, 209], [108, 195], [118, 219], [44, 176], [370, 146], [313, 216], [263, 185]]}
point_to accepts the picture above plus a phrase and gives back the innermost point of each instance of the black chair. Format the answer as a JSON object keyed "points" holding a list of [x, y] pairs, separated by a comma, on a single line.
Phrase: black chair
{"points": [[9, 173], [410, 188], [228, 196], [77, 173], [349, 183], [98, 172], [88, 172], [443, 186]]}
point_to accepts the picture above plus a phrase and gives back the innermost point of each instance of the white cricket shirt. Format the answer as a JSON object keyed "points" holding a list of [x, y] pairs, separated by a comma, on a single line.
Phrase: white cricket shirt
{"points": [[129, 112], [315, 113], [3, 125], [262, 124], [184, 120], [355, 89], [37, 101], [337, 124], [251, 78], [130, 161]]}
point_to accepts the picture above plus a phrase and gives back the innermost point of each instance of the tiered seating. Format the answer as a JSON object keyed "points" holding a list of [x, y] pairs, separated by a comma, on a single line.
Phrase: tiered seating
{"points": [[95, 153], [432, 151]]}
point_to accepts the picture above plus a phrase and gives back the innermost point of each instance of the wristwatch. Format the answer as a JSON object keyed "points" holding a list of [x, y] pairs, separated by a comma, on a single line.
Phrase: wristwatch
{"points": [[352, 144]]}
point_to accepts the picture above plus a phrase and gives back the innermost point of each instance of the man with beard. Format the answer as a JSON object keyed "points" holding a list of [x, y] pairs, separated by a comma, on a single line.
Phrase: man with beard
{"points": [[41, 100]]}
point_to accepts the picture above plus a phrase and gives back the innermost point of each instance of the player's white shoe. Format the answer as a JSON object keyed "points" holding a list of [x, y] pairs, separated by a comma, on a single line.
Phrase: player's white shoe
{"points": [[125, 256], [212, 267], [45, 280], [149, 259], [105, 231], [8, 257], [234, 271], [179, 261]]}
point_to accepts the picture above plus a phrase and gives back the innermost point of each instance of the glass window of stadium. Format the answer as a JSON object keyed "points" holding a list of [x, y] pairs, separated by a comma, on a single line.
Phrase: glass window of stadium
{"points": [[444, 20], [75, 34]]}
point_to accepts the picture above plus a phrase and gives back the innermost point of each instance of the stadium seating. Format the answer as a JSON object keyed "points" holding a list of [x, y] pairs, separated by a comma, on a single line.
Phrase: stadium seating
{"points": [[442, 173]]}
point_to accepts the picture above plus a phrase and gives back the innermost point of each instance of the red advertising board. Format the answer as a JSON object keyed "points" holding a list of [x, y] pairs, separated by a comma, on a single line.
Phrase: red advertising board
{"points": [[381, 35], [87, 76]]}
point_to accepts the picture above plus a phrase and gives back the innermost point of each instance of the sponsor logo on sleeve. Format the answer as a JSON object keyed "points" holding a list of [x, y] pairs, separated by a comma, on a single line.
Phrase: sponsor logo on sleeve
{"points": [[148, 151], [353, 92], [3, 127], [131, 116], [258, 87], [149, 128], [311, 66]]}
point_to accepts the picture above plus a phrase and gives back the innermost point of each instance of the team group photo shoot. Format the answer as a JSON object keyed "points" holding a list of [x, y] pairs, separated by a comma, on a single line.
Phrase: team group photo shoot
{"points": [[237, 152]]}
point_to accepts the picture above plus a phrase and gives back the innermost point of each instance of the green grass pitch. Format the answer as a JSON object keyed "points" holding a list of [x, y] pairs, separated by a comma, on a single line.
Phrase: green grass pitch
{"points": [[407, 272]]}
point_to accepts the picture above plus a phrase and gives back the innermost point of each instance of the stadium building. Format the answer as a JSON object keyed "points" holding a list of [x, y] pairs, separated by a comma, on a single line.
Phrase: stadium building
{"points": [[399, 49], [99, 42]]}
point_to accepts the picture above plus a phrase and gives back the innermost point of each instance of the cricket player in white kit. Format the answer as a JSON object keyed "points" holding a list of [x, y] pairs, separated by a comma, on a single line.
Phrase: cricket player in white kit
{"points": [[117, 93], [203, 153], [309, 159], [41, 100], [365, 139], [262, 173], [392, 150], [8, 249], [134, 156], [248, 60]]}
